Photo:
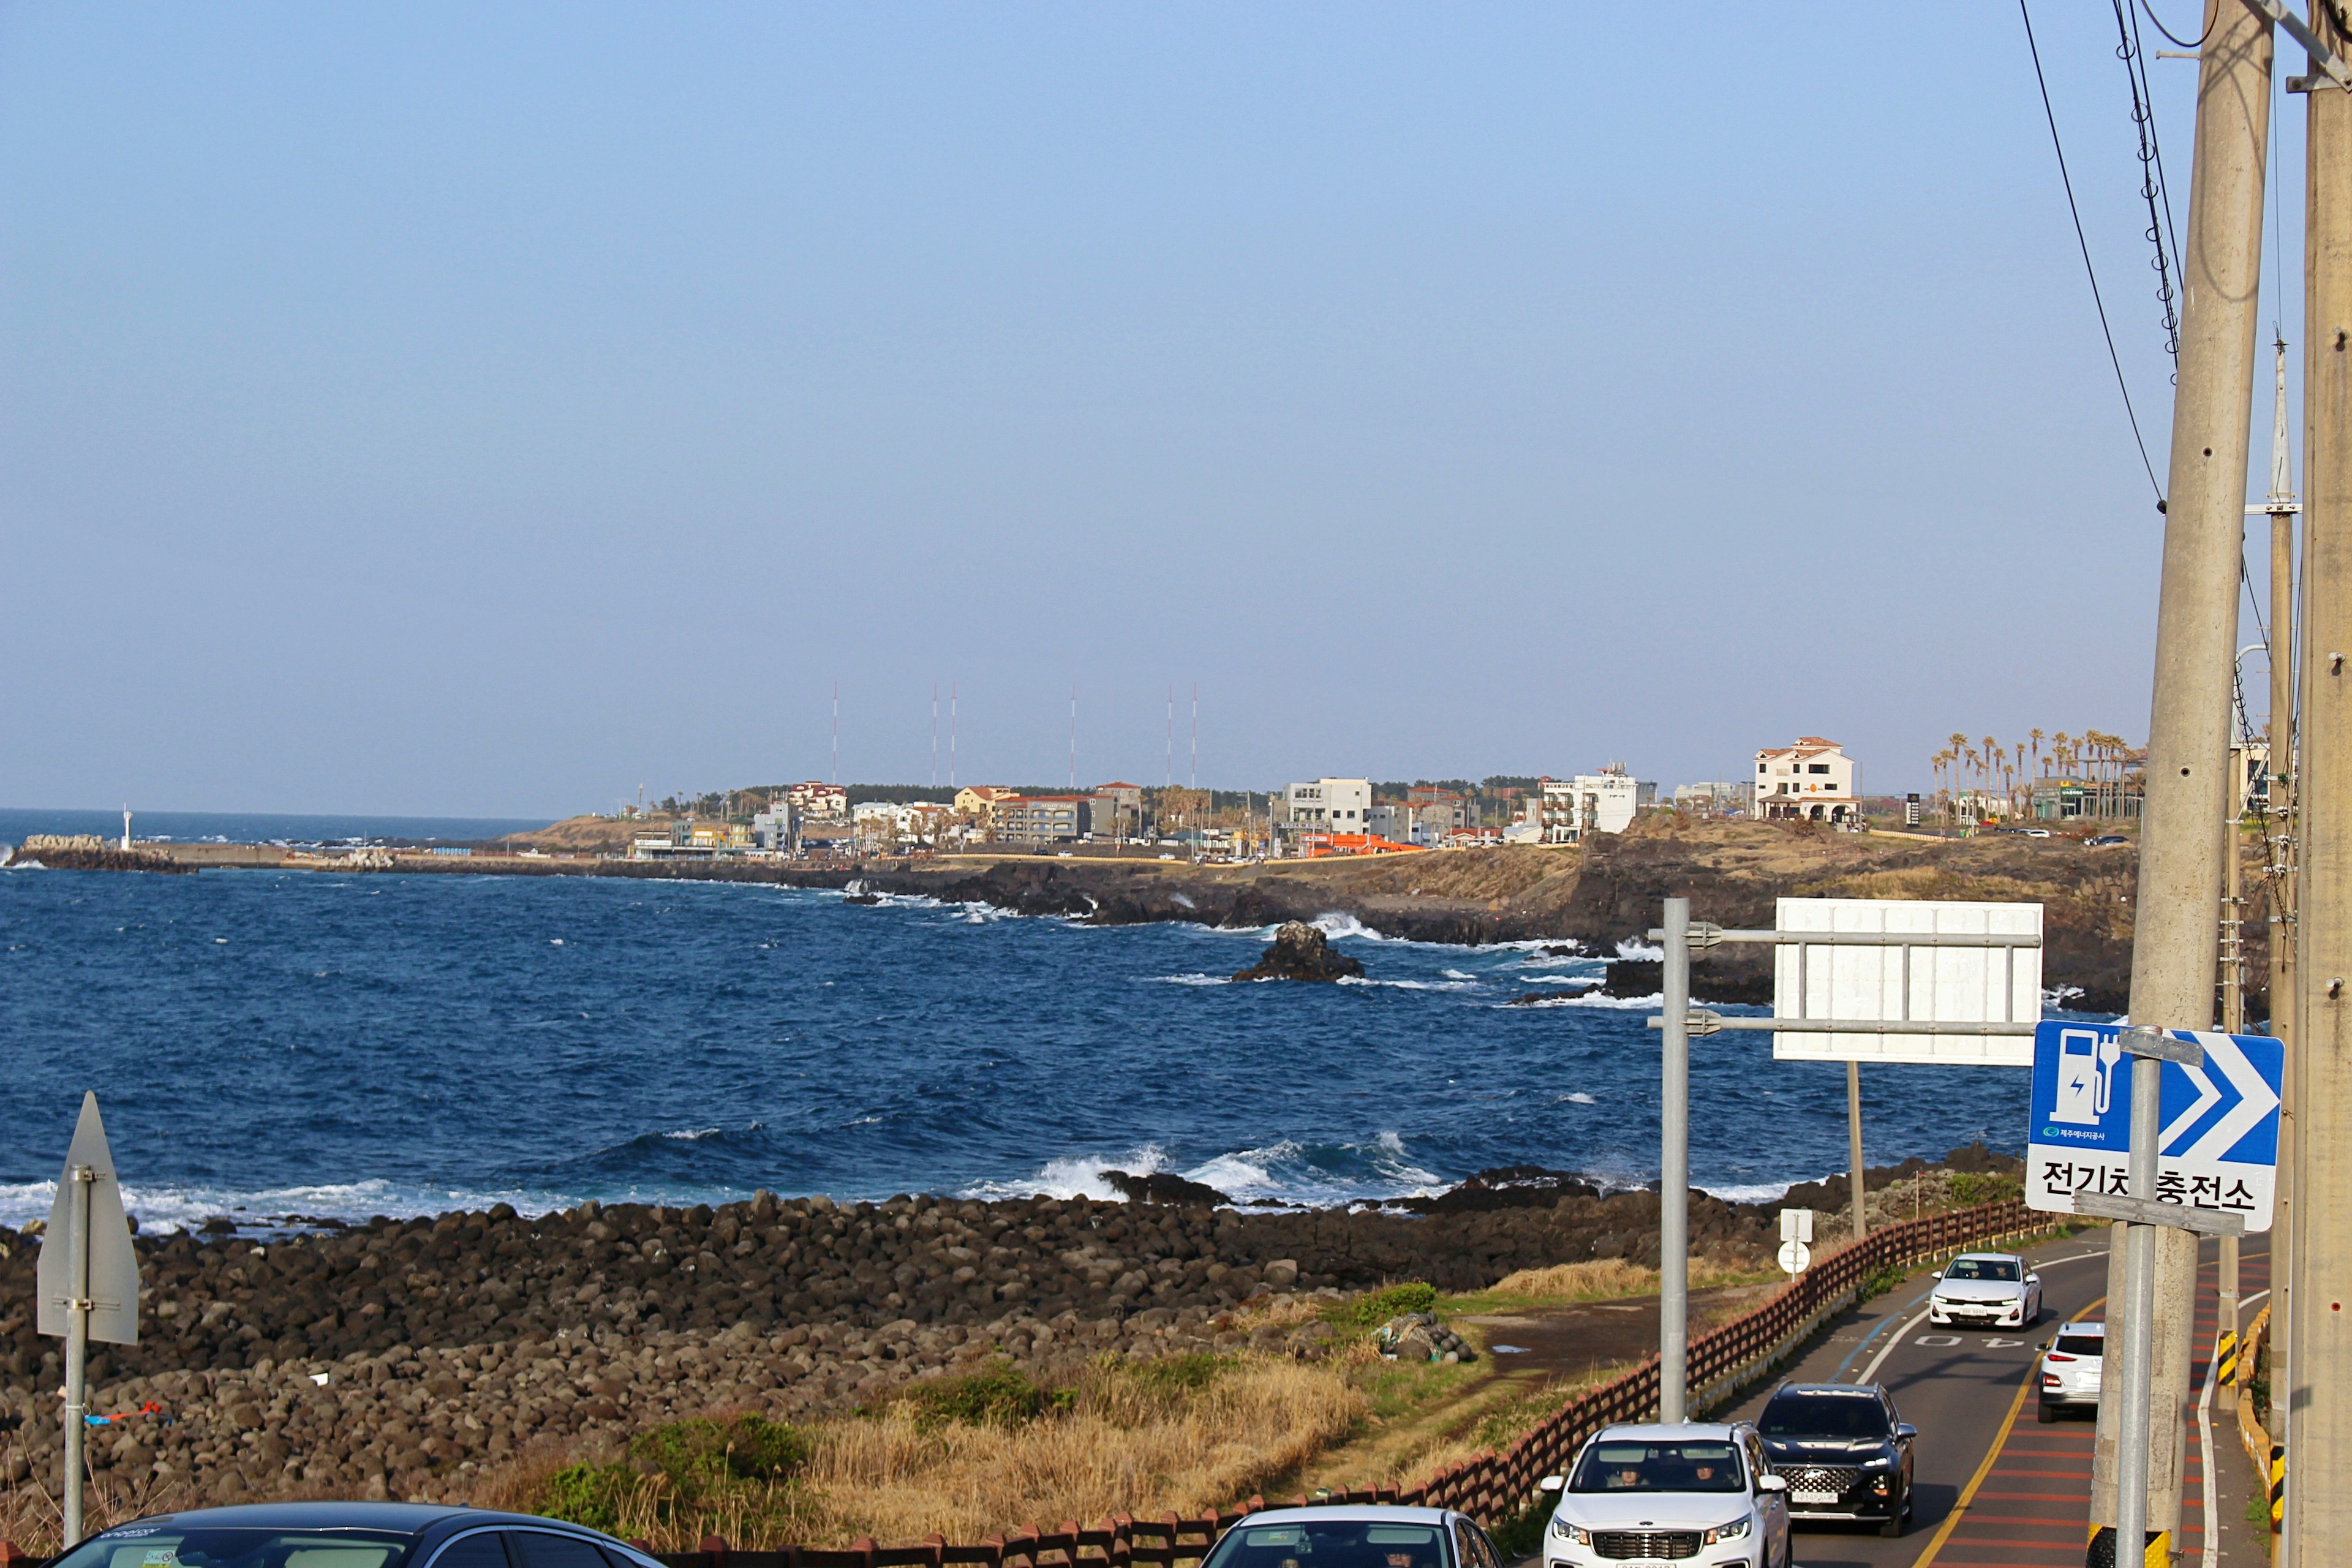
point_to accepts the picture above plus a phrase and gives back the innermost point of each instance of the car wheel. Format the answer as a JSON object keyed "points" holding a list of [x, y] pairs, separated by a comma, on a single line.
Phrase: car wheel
{"points": [[2046, 1415], [1893, 1525]]}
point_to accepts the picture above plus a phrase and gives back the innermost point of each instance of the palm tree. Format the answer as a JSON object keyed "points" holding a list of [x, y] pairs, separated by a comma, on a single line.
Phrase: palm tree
{"points": [[2035, 736]]}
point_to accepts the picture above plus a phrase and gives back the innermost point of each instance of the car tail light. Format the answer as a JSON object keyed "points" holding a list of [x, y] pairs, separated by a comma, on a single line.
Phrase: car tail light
{"points": [[2054, 1356]]}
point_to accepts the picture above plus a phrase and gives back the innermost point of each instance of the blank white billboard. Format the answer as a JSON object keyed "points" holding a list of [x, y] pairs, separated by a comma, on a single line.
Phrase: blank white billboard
{"points": [[1907, 984]]}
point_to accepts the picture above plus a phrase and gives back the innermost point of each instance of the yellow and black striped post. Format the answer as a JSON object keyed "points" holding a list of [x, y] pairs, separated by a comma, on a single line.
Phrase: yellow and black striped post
{"points": [[2225, 1360], [2278, 1486], [2101, 1553]]}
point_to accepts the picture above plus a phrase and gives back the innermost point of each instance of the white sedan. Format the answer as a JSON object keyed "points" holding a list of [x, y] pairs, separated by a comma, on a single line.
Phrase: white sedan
{"points": [[1993, 1289]]}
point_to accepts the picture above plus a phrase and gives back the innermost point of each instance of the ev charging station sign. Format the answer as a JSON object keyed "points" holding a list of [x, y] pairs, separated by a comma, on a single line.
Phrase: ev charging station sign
{"points": [[2219, 1147]]}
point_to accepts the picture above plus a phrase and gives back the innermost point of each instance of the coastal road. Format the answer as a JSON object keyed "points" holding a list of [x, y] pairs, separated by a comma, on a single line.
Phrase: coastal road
{"points": [[1990, 1484]]}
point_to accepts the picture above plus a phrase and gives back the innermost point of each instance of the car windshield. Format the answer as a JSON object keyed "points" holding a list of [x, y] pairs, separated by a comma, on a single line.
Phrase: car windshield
{"points": [[1331, 1543], [163, 1546], [1624, 1465], [1997, 1269], [2080, 1344], [1822, 1416]]}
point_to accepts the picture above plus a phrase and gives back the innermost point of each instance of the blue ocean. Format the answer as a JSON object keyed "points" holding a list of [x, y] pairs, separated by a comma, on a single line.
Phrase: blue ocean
{"points": [[276, 1043]]}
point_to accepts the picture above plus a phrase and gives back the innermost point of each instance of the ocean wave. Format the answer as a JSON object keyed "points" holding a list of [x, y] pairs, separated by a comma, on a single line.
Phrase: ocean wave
{"points": [[1190, 979], [1593, 999], [25, 865], [175, 1208], [1579, 1098], [1635, 948], [1077, 1176], [1336, 925], [1464, 985]]}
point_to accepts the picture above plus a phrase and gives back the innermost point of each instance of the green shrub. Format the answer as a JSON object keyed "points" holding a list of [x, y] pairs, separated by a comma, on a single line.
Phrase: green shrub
{"points": [[695, 1454], [1372, 1310], [588, 1494], [1972, 1187], [999, 1394]]}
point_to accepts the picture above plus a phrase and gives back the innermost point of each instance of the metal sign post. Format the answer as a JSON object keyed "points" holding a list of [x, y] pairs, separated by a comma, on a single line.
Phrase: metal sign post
{"points": [[2143, 1216], [1902, 1007], [86, 1282]]}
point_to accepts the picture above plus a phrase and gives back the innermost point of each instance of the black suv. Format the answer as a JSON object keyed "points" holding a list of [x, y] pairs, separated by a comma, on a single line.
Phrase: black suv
{"points": [[1843, 1451]]}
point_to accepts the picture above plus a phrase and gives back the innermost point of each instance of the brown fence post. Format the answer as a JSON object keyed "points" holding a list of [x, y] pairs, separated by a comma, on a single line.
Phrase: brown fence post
{"points": [[714, 1547]]}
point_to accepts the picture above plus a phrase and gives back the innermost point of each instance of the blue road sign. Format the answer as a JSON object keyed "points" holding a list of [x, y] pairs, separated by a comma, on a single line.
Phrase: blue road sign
{"points": [[2218, 1149]]}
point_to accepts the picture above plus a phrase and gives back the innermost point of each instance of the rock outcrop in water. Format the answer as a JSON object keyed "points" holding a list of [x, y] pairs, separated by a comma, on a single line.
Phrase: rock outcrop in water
{"points": [[1301, 951]]}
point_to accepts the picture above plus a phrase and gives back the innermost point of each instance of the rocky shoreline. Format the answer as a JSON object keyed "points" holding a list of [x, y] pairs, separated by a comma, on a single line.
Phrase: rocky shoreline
{"points": [[402, 1358]]}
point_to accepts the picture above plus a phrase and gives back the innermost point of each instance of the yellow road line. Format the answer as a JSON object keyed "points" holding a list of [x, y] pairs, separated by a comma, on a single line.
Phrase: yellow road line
{"points": [[2001, 1440], [1968, 1492]]}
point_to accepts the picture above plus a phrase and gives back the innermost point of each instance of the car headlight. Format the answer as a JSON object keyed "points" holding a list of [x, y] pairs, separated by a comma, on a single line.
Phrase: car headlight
{"points": [[1880, 1463], [1732, 1532], [1574, 1534]]}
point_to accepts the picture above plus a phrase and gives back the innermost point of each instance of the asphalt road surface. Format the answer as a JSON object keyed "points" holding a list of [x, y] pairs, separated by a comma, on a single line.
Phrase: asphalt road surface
{"points": [[1991, 1486]]}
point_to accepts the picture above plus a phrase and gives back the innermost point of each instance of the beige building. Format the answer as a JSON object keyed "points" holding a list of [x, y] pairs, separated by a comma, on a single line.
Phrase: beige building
{"points": [[1812, 781]]}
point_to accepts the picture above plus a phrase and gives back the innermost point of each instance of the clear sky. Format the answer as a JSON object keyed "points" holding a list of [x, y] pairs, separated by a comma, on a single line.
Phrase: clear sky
{"points": [[489, 409]]}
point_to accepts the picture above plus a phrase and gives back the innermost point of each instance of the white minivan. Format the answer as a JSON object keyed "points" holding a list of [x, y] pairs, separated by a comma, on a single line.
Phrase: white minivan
{"points": [[1699, 1492]]}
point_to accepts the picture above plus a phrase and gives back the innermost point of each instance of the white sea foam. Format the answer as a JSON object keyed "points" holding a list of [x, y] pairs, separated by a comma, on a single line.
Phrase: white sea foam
{"points": [[1336, 926], [694, 1134], [1634, 947], [1191, 980], [171, 1208], [1464, 985], [1594, 999], [1747, 1193], [1580, 1097], [1459, 974], [1078, 1176], [25, 866]]}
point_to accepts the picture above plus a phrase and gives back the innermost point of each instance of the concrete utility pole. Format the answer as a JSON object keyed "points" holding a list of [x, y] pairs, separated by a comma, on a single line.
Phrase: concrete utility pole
{"points": [[1853, 1146], [2319, 1350], [2178, 907], [2279, 858]]}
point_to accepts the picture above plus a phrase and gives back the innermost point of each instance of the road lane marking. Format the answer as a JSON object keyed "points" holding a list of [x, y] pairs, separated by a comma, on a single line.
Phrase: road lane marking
{"points": [[1992, 1452], [2205, 1440], [2031, 1380]]}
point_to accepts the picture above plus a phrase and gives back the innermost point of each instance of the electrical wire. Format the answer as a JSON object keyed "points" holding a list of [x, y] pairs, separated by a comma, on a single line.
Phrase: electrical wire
{"points": [[2167, 32], [2081, 240], [2153, 188]]}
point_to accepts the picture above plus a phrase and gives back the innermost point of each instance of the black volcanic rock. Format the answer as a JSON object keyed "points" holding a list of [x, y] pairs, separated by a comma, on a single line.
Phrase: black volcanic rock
{"points": [[1300, 952], [1165, 1187]]}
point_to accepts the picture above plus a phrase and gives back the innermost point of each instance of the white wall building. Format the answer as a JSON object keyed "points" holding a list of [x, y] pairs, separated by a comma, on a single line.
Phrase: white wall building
{"points": [[1395, 821], [1605, 802], [1330, 806], [1812, 781]]}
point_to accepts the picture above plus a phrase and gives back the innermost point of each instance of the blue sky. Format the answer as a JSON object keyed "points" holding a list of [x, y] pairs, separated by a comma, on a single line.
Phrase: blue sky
{"points": [[489, 409]]}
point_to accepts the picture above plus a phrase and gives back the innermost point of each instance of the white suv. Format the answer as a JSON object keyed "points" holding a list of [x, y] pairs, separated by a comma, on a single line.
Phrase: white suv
{"points": [[1698, 1493], [1994, 1290], [2071, 1365]]}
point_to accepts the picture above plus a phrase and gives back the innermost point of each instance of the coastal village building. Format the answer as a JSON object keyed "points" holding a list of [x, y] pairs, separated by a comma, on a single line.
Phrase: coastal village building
{"points": [[1721, 798], [814, 799], [977, 802], [1116, 810], [1331, 805], [773, 829], [1399, 822], [1605, 802], [1039, 819], [1812, 781]]}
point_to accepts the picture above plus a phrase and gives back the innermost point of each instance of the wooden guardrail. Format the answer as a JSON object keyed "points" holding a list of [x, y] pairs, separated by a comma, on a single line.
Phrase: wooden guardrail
{"points": [[1490, 1487]]}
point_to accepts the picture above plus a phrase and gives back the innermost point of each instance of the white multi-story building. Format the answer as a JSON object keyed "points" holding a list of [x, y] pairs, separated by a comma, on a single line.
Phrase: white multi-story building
{"points": [[1330, 806], [1605, 802], [1396, 821], [822, 800], [773, 829], [1812, 781]]}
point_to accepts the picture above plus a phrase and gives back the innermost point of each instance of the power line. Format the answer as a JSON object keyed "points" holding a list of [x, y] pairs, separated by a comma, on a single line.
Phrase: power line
{"points": [[2152, 186], [2091, 272], [2177, 41]]}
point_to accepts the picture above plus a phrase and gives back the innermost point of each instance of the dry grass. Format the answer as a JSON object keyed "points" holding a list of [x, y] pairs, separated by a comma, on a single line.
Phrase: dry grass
{"points": [[1604, 1279], [1127, 1443], [30, 1517]]}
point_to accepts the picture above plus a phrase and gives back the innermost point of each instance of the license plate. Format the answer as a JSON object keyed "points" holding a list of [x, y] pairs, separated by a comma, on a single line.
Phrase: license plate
{"points": [[1813, 1497]]}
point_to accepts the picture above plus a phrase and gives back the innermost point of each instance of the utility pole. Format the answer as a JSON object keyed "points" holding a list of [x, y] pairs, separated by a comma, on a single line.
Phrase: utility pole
{"points": [[2178, 909], [1853, 1146], [2279, 858], [2319, 1347], [1674, 1174]]}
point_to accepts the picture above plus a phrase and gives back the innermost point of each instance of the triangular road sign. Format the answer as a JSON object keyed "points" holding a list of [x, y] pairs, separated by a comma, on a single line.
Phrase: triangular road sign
{"points": [[113, 1263]]}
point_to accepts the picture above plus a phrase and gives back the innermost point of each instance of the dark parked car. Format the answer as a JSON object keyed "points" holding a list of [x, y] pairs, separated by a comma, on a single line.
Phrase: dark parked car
{"points": [[1843, 1451], [2104, 841], [349, 1535]]}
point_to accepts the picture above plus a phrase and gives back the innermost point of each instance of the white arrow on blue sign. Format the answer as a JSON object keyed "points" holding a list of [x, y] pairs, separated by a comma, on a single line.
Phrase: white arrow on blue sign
{"points": [[2220, 1145]]}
